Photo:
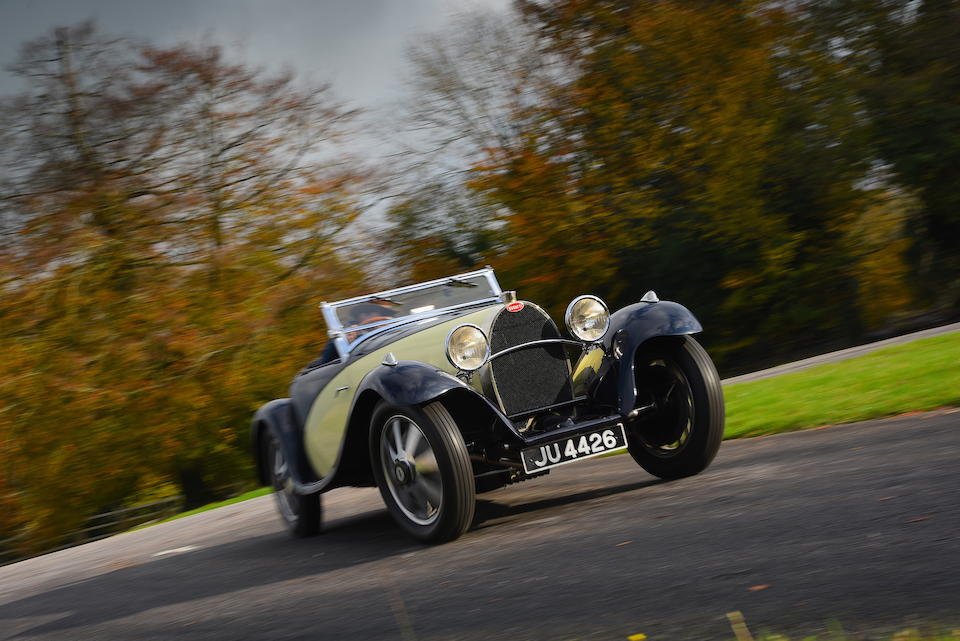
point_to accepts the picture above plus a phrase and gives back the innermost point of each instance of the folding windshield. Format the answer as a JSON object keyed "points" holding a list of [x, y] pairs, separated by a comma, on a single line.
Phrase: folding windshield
{"points": [[351, 318]]}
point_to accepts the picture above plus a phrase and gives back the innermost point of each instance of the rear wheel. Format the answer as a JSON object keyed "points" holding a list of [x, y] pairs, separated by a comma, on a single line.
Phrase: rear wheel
{"points": [[423, 470], [301, 513], [681, 432]]}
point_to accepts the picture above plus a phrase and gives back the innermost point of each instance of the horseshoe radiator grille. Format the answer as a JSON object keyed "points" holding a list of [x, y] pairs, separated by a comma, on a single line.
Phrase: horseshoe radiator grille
{"points": [[528, 379]]}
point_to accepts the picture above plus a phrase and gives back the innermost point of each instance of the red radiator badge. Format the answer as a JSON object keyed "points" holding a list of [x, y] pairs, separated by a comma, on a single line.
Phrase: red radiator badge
{"points": [[515, 306]]}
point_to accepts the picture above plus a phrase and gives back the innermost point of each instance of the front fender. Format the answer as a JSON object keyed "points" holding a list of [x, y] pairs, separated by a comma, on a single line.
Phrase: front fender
{"points": [[635, 324], [415, 383], [276, 418], [408, 383]]}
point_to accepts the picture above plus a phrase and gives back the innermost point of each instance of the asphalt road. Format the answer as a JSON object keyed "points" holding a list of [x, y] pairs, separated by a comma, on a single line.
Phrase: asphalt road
{"points": [[857, 524]]}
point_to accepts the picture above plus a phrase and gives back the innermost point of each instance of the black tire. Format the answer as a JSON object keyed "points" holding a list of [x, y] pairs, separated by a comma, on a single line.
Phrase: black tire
{"points": [[428, 486], [301, 513], [681, 435]]}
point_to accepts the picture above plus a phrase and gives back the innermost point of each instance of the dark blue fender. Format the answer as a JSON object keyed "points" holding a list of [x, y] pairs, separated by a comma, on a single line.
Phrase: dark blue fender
{"points": [[635, 324], [277, 418], [415, 383], [408, 383]]}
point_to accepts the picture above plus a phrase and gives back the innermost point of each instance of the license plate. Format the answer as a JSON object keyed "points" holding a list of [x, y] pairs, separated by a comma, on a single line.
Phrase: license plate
{"points": [[574, 448]]}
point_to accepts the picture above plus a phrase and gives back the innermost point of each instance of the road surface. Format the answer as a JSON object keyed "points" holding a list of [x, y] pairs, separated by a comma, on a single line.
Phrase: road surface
{"points": [[857, 524]]}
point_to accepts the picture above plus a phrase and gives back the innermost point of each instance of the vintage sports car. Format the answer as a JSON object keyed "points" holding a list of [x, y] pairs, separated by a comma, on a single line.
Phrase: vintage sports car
{"points": [[436, 391]]}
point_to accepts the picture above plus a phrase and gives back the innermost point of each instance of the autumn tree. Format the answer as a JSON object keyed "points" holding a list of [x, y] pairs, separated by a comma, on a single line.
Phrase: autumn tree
{"points": [[906, 61], [468, 90], [717, 134], [716, 153], [170, 220]]}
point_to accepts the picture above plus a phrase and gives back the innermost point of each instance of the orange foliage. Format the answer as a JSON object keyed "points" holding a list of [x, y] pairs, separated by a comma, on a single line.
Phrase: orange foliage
{"points": [[164, 276]]}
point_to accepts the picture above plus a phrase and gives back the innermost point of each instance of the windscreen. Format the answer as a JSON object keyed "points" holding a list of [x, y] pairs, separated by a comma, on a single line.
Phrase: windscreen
{"points": [[375, 310]]}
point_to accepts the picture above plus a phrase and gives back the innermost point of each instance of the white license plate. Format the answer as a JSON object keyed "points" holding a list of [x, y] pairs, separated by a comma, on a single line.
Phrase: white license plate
{"points": [[574, 448]]}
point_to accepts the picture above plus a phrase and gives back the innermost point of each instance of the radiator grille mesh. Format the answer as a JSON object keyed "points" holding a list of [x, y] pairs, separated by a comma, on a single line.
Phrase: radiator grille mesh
{"points": [[528, 379]]}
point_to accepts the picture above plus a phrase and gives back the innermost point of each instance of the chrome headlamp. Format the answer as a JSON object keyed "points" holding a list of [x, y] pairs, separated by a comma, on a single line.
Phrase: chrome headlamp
{"points": [[467, 347], [587, 318]]}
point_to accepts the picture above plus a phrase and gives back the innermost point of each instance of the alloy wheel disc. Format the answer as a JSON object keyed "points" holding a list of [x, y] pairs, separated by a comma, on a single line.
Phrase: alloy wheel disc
{"points": [[410, 468]]}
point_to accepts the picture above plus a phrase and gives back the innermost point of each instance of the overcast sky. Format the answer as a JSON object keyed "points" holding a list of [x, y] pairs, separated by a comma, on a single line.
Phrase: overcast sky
{"points": [[358, 45]]}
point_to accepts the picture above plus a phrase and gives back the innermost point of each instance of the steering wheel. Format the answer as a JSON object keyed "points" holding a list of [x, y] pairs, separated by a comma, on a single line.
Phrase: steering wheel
{"points": [[352, 336]]}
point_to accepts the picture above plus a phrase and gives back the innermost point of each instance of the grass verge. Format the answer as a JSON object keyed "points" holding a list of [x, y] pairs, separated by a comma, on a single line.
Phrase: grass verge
{"points": [[252, 494], [835, 632], [916, 376], [909, 634]]}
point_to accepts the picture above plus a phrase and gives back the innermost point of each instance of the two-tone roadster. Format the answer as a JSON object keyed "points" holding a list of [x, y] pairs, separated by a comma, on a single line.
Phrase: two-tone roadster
{"points": [[437, 391]]}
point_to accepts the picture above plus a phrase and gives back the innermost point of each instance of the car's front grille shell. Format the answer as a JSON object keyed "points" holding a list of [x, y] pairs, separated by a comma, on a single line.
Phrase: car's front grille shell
{"points": [[528, 379]]}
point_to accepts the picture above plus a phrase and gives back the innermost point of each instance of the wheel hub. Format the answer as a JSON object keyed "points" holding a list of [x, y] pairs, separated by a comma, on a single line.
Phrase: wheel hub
{"points": [[664, 431], [410, 472], [404, 472]]}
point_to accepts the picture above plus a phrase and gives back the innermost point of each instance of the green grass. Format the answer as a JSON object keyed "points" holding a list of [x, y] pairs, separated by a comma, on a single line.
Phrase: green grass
{"points": [[910, 634], [920, 375], [835, 632], [252, 494]]}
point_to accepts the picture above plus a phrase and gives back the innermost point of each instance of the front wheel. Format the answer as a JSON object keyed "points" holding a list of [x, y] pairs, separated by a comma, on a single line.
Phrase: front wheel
{"points": [[301, 513], [423, 470], [680, 433]]}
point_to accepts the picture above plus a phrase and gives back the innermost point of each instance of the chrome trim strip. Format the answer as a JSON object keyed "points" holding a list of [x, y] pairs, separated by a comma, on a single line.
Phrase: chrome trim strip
{"points": [[344, 348], [543, 311], [334, 331], [488, 371], [338, 333], [487, 272], [572, 430], [573, 401], [310, 488], [637, 411], [515, 348], [406, 320]]}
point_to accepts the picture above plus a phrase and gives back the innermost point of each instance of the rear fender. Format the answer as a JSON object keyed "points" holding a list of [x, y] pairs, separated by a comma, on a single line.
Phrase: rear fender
{"points": [[634, 325], [276, 419]]}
